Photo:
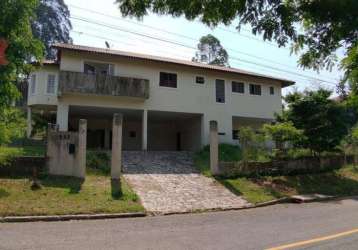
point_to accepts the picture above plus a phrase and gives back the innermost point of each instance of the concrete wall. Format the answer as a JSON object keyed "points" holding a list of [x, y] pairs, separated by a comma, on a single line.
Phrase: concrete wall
{"points": [[188, 97]]}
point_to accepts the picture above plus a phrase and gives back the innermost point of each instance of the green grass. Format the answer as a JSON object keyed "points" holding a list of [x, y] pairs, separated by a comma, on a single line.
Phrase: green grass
{"points": [[261, 189], [65, 195]]}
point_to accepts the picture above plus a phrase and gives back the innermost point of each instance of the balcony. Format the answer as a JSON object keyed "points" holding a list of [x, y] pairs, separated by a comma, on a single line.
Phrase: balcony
{"points": [[100, 84]]}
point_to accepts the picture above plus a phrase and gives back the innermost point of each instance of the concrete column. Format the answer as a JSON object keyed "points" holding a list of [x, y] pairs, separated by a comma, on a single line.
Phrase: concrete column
{"points": [[62, 116], [107, 135], [29, 122], [145, 130], [116, 162], [214, 148], [80, 170]]}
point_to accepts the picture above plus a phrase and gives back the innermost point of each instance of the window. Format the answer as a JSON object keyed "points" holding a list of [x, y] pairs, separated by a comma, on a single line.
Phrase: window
{"points": [[51, 84], [132, 134], [220, 91], [255, 89], [235, 134], [200, 80], [238, 87], [33, 84], [168, 80], [272, 90], [98, 68]]}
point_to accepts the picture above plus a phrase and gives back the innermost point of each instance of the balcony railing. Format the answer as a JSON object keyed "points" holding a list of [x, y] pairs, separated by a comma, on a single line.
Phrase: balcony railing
{"points": [[100, 84]]}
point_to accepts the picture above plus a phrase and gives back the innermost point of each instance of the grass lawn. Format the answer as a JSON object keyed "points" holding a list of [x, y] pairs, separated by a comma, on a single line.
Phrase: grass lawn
{"points": [[255, 190], [65, 195]]}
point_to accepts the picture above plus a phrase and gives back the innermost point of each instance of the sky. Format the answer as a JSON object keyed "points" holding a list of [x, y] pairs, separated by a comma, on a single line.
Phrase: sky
{"points": [[95, 22]]}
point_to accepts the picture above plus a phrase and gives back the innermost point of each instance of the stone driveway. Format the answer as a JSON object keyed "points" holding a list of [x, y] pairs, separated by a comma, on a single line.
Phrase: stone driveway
{"points": [[167, 182]]}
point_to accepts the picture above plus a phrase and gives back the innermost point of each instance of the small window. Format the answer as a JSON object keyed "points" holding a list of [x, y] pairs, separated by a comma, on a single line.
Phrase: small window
{"points": [[235, 134], [168, 80], [200, 80], [33, 84], [272, 90], [238, 87], [51, 84], [220, 91], [255, 89]]}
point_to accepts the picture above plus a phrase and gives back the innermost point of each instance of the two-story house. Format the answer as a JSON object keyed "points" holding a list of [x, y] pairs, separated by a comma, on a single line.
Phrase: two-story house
{"points": [[166, 103]]}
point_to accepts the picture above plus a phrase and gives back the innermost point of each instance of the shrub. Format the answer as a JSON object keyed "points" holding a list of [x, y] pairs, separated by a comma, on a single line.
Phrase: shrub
{"points": [[98, 160]]}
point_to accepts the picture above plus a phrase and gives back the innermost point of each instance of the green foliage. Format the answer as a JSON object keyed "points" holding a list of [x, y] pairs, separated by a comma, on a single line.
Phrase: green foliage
{"points": [[318, 28], [98, 160], [281, 133], [8, 153], [52, 24], [12, 124], [210, 51], [251, 144], [15, 28]]}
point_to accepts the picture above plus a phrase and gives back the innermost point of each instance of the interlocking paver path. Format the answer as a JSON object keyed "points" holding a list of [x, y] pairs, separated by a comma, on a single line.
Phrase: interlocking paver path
{"points": [[167, 182]]}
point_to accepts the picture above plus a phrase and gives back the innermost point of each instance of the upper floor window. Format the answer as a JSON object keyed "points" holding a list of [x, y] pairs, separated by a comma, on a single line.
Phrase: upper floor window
{"points": [[51, 83], [220, 90], [168, 80], [98, 68], [33, 84], [238, 87], [272, 90], [200, 80], [255, 89]]}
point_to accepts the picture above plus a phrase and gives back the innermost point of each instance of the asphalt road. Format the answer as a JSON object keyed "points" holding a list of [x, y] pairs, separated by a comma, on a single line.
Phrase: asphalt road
{"points": [[259, 228]]}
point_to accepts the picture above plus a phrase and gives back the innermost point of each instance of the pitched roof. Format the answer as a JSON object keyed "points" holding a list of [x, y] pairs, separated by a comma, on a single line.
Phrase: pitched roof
{"points": [[80, 48]]}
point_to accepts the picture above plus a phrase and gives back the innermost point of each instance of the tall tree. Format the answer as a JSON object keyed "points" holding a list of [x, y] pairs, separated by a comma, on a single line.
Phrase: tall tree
{"points": [[15, 29], [210, 51], [326, 24], [52, 24]]}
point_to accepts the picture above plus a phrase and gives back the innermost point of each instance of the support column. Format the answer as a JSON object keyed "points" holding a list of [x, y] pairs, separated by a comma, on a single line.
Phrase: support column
{"points": [[80, 170], [116, 162], [29, 122], [145, 130], [62, 116], [214, 148]]}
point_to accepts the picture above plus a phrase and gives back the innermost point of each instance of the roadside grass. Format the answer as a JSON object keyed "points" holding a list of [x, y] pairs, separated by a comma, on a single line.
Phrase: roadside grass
{"points": [[340, 182], [65, 195]]}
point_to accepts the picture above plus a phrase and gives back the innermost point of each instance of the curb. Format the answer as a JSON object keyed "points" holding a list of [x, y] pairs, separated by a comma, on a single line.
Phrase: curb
{"points": [[69, 217]]}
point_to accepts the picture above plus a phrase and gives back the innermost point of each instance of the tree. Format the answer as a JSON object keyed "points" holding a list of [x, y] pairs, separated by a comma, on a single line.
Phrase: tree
{"points": [[15, 19], [52, 24], [316, 28], [210, 51], [323, 121], [281, 133], [12, 124]]}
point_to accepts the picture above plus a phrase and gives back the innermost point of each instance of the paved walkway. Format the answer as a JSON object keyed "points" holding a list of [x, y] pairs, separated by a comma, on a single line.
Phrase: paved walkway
{"points": [[167, 182]]}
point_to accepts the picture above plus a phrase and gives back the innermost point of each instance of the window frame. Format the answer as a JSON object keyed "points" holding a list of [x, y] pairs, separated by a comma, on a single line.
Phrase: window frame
{"points": [[224, 84], [168, 73], [54, 84], [238, 82], [253, 93], [32, 88], [272, 90], [196, 82], [111, 66]]}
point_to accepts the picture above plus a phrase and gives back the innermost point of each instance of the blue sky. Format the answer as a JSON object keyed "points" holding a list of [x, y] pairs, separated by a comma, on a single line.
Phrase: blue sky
{"points": [[95, 22]]}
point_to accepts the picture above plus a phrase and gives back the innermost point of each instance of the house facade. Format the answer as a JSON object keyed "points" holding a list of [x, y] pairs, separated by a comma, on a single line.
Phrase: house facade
{"points": [[166, 103]]}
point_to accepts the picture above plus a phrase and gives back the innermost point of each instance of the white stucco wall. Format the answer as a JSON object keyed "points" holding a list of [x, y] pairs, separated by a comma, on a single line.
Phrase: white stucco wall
{"points": [[188, 97]]}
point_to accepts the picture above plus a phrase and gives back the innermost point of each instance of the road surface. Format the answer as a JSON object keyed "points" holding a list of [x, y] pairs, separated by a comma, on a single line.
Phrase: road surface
{"points": [[260, 228]]}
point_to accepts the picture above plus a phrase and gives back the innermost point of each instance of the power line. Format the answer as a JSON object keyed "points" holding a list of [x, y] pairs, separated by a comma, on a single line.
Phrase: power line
{"points": [[191, 47]]}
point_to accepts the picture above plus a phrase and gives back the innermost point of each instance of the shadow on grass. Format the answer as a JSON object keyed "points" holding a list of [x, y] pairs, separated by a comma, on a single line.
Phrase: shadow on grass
{"points": [[3, 193], [116, 189], [72, 183]]}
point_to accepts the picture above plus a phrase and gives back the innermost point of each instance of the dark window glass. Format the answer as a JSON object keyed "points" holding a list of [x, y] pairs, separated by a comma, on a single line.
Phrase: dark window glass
{"points": [[238, 87], [132, 134], [168, 80], [200, 80], [255, 89], [220, 91], [235, 134], [272, 90]]}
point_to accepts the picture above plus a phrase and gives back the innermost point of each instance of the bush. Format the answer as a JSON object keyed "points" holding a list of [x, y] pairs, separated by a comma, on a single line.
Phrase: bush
{"points": [[98, 160]]}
